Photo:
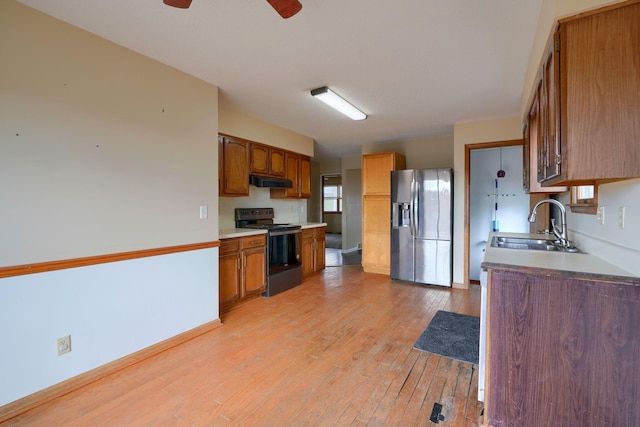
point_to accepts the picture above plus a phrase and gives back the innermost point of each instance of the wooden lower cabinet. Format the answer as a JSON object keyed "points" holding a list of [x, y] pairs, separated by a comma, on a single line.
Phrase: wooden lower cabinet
{"points": [[376, 234], [562, 351], [313, 250], [242, 269]]}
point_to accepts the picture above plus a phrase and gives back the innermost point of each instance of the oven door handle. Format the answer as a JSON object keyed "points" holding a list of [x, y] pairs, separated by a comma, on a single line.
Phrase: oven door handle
{"points": [[284, 232]]}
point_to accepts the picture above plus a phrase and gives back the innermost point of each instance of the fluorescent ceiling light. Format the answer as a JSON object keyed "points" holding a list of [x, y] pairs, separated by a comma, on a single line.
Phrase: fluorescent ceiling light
{"points": [[334, 100]]}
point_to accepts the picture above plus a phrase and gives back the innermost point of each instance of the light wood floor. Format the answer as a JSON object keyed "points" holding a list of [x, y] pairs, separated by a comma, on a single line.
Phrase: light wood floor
{"points": [[335, 351]]}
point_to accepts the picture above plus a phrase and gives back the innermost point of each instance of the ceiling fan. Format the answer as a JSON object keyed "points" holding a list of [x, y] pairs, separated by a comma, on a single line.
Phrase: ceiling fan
{"points": [[286, 8]]}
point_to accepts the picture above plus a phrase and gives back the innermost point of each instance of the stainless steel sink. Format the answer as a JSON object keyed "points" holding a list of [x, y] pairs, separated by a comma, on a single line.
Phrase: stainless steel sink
{"points": [[530, 244]]}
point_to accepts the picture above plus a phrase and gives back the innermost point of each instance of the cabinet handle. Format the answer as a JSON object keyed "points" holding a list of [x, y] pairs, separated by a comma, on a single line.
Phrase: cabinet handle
{"points": [[254, 242], [238, 263]]}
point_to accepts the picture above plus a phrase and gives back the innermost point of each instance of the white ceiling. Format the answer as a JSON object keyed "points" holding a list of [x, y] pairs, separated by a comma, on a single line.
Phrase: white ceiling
{"points": [[415, 67]]}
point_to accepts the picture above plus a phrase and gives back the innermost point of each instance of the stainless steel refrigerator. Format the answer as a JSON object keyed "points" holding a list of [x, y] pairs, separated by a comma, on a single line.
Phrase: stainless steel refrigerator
{"points": [[421, 226]]}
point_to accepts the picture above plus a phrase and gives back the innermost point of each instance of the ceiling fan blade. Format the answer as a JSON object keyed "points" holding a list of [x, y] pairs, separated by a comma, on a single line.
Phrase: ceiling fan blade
{"points": [[182, 4], [286, 8]]}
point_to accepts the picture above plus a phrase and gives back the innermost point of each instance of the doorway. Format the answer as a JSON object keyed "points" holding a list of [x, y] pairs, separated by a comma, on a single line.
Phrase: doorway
{"points": [[495, 198], [332, 214]]}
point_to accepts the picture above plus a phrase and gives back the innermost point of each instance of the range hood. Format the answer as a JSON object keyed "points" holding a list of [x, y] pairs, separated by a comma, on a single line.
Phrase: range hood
{"points": [[270, 182]]}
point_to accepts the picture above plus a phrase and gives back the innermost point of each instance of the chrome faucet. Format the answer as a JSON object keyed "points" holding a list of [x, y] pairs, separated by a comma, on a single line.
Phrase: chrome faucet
{"points": [[560, 233]]}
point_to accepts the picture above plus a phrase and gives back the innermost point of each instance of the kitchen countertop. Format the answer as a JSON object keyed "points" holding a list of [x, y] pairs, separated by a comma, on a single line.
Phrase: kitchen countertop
{"points": [[312, 224], [552, 263], [243, 232], [239, 232]]}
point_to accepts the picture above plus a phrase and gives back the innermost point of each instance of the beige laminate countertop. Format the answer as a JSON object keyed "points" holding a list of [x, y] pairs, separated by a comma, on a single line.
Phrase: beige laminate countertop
{"points": [[312, 224], [554, 263], [239, 232], [243, 232]]}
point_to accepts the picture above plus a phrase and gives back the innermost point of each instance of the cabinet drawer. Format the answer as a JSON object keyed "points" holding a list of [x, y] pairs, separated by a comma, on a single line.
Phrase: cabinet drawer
{"points": [[254, 241], [229, 246], [308, 233]]}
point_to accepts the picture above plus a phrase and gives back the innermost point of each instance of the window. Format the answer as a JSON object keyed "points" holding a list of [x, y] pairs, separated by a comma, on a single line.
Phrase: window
{"points": [[332, 195], [584, 199]]}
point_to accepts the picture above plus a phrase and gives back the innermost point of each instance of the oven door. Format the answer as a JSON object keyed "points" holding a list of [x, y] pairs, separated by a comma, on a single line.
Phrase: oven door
{"points": [[284, 250]]}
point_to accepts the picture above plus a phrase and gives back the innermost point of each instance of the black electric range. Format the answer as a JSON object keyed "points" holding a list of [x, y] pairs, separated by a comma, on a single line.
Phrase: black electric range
{"points": [[284, 262]]}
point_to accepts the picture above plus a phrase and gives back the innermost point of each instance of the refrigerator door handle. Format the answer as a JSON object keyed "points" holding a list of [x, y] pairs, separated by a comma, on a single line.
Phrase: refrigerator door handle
{"points": [[414, 207]]}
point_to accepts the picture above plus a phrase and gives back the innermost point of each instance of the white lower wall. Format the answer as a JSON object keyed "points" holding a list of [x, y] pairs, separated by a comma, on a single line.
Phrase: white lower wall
{"points": [[110, 310]]}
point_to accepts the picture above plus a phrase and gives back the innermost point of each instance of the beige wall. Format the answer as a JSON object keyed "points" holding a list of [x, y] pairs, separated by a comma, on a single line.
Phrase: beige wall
{"points": [[502, 129], [102, 150], [421, 153], [232, 122]]}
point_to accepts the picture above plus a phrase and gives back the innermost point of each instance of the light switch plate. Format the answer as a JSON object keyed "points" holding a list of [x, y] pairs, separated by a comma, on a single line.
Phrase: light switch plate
{"points": [[621, 210], [601, 215]]}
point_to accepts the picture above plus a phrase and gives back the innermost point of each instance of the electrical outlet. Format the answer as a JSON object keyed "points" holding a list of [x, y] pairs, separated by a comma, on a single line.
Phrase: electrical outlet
{"points": [[601, 215], [204, 212], [621, 210], [64, 345]]}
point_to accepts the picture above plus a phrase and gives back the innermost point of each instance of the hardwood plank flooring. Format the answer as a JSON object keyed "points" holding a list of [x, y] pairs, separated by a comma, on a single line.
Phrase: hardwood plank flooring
{"points": [[335, 351]]}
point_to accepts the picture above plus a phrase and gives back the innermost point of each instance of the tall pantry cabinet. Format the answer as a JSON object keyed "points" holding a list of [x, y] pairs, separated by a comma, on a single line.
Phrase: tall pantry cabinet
{"points": [[376, 210]]}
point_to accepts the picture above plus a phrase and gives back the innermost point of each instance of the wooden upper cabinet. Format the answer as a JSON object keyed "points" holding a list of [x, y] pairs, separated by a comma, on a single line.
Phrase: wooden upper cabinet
{"points": [[233, 157], [376, 172], [259, 159], [238, 158], [533, 149], [551, 75], [298, 170], [276, 165], [265, 160], [548, 146], [304, 178], [596, 80]]}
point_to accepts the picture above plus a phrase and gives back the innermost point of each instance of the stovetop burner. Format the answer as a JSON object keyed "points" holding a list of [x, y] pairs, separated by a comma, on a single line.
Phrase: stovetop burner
{"points": [[269, 226], [260, 218]]}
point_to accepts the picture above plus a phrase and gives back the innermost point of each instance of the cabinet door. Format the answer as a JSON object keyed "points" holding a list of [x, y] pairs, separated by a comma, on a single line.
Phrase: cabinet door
{"points": [[307, 252], [532, 156], [566, 340], [320, 249], [254, 271], [259, 159], [600, 59], [304, 178], [234, 166], [229, 280], [552, 120], [376, 234], [292, 164], [526, 155], [376, 173], [277, 167]]}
